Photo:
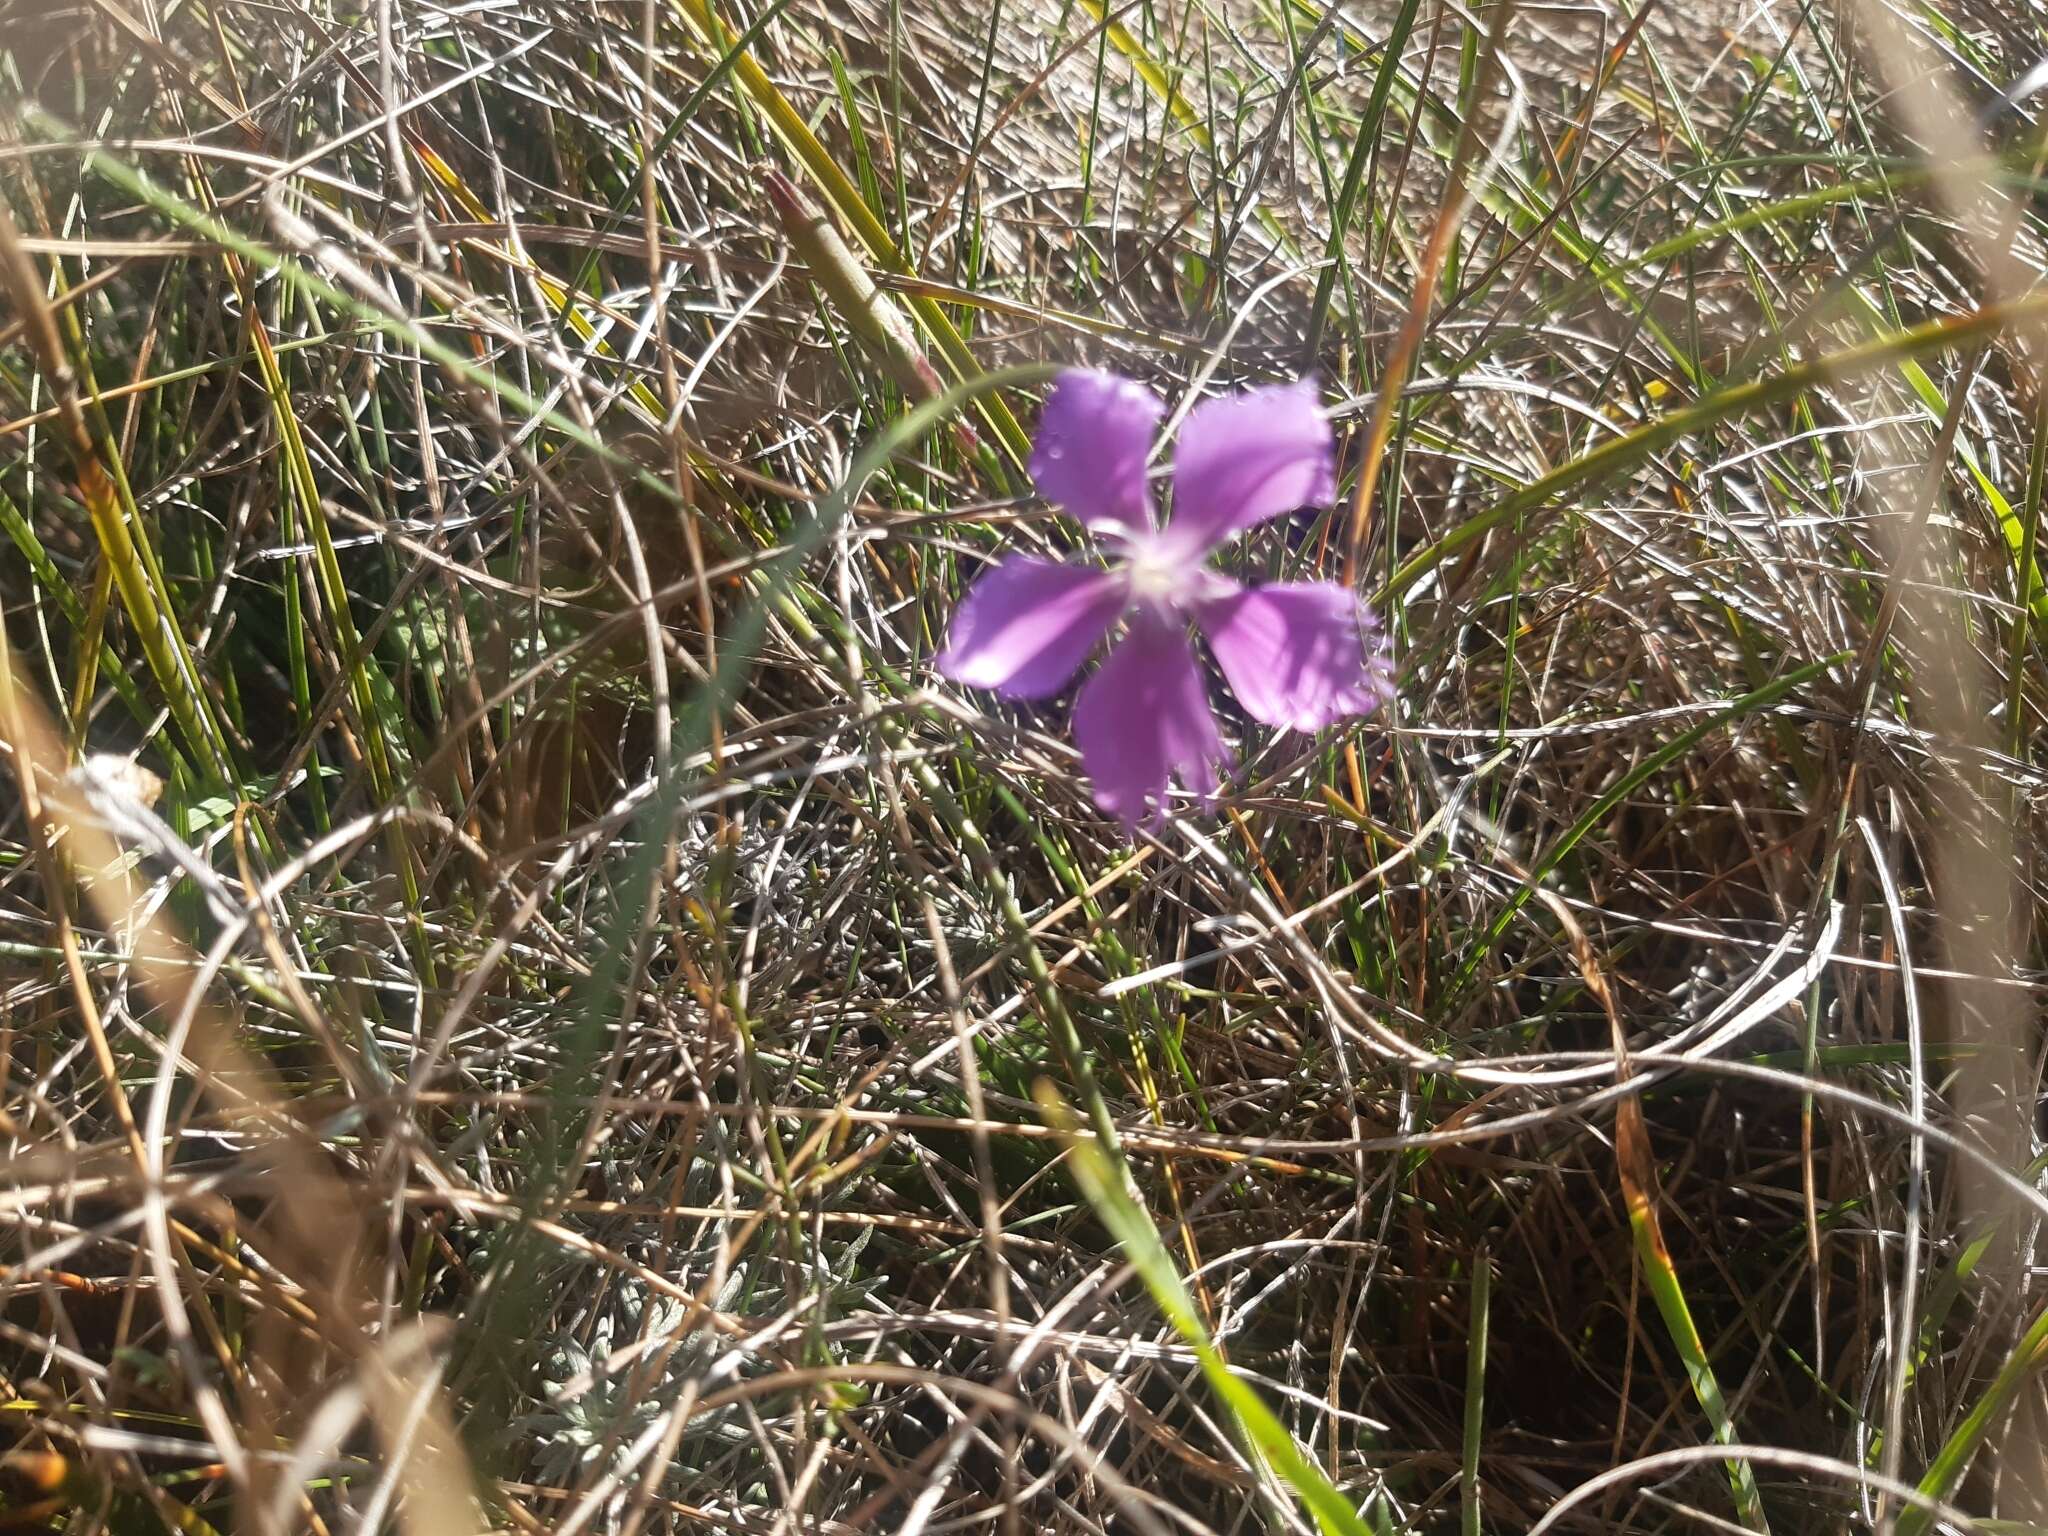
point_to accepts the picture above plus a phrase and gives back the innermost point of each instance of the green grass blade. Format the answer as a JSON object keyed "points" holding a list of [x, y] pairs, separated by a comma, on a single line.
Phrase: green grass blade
{"points": [[1146, 1252], [1954, 1457], [847, 202]]}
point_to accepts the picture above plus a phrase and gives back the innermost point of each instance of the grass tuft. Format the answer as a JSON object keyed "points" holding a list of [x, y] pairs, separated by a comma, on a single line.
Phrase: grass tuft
{"points": [[527, 1004]]}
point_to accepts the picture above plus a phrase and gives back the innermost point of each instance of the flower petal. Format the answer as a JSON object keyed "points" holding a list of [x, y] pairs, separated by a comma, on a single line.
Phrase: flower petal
{"points": [[1144, 720], [1093, 438], [1249, 457], [1302, 654], [1026, 625]]}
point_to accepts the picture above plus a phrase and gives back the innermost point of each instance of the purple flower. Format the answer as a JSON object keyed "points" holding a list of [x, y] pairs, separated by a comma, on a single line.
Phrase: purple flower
{"points": [[1297, 654]]}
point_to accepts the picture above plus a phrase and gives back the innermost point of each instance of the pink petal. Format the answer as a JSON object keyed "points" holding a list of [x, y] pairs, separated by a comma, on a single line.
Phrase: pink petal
{"points": [[1093, 438], [1143, 720], [1249, 457], [1302, 654], [1027, 625]]}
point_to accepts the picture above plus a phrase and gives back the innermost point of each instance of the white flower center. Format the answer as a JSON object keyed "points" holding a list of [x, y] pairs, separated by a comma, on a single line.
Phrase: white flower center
{"points": [[1158, 576]]}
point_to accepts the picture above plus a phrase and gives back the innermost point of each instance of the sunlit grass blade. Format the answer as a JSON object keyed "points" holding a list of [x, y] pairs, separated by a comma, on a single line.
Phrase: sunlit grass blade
{"points": [[1639, 1186], [1961, 1447], [1146, 1253], [847, 202], [118, 526]]}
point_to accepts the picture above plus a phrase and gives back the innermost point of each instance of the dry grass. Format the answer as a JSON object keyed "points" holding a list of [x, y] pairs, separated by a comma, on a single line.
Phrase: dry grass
{"points": [[550, 1042]]}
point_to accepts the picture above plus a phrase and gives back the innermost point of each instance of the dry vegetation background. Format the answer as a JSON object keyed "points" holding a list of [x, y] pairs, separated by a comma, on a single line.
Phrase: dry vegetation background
{"points": [[526, 1005]]}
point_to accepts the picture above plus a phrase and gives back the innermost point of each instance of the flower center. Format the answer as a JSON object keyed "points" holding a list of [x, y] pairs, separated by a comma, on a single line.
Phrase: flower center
{"points": [[1158, 576]]}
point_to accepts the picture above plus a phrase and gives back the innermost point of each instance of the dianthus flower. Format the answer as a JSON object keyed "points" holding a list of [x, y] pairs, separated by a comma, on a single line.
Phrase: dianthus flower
{"points": [[1298, 654]]}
